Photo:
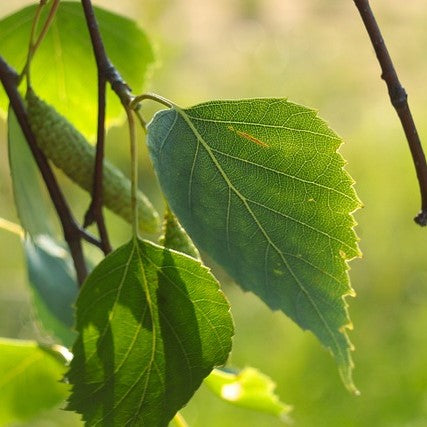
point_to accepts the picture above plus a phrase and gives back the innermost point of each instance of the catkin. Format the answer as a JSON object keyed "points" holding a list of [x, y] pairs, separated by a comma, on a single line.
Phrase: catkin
{"points": [[68, 149]]}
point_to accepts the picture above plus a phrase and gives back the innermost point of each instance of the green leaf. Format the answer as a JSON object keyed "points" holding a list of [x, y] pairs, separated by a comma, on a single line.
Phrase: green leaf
{"points": [[51, 274], [152, 324], [258, 184], [31, 199], [63, 70], [248, 388], [52, 280], [174, 236], [30, 379]]}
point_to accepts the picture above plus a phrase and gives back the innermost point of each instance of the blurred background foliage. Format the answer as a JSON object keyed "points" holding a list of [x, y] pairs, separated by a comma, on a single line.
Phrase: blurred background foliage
{"points": [[314, 52]]}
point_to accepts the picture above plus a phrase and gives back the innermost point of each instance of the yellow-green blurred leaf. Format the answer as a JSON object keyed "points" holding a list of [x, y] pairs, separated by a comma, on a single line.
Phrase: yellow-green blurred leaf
{"points": [[248, 388], [63, 71], [30, 379]]}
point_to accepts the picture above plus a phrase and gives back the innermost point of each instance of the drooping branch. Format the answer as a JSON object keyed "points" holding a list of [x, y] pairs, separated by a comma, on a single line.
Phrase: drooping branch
{"points": [[73, 233], [398, 97]]}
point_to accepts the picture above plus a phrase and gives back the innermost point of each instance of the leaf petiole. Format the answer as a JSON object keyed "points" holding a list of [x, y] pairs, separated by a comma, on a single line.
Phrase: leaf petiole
{"points": [[35, 42], [154, 97]]}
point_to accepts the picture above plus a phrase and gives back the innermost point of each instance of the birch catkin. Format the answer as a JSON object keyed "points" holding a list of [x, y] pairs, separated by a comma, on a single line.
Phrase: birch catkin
{"points": [[68, 149]]}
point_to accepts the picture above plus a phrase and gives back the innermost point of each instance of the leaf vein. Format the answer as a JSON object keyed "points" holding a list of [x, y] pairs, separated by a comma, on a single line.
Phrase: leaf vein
{"points": [[187, 118]]}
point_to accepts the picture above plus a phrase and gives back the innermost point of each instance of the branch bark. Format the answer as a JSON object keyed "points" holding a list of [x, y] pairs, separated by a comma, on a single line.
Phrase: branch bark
{"points": [[94, 212], [105, 67], [106, 73], [398, 98], [73, 233]]}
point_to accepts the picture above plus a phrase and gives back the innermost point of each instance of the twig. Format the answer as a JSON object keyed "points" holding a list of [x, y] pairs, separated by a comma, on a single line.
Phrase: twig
{"points": [[399, 101], [73, 233], [94, 213], [106, 72], [104, 65], [35, 43]]}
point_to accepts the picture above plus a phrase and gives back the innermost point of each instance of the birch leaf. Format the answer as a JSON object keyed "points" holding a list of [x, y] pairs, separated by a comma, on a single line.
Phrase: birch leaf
{"points": [[152, 325], [258, 185]]}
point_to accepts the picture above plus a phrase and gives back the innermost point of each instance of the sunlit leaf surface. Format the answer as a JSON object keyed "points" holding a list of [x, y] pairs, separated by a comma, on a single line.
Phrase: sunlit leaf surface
{"points": [[63, 71], [30, 379], [258, 184], [152, 324]]}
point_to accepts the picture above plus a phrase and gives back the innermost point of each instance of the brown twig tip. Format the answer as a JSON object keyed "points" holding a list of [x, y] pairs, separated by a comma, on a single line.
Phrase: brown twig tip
{"points": [[399, 100], [421, 218]]}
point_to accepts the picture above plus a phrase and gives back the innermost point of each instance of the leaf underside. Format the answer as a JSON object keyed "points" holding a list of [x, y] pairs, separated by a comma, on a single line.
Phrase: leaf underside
{"points": [[152, 324], [258, 184]]}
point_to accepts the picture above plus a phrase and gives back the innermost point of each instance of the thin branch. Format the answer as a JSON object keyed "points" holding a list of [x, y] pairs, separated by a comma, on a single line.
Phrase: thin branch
{"points": [[94, 213], [105, 66], [46, 26], [73, 233], [399, 101], [106, 72], [35, 43], [30, 52]]}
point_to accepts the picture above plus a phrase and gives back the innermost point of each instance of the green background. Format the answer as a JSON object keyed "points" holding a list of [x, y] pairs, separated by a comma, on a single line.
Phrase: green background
{"points": [[315, 52]]}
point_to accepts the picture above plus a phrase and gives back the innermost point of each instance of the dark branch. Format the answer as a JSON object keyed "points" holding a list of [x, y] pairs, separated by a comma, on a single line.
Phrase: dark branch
{"points": [[399, 101], [105, 67], [106, 72], [94, 212], [73, 233]]}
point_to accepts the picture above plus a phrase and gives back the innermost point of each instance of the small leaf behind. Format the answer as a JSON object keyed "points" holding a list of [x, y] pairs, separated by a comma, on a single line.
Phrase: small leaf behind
{"points": [[258, 184], [54, 288], [31, 200], [248, 388], [50, 271], [152, 324]]}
